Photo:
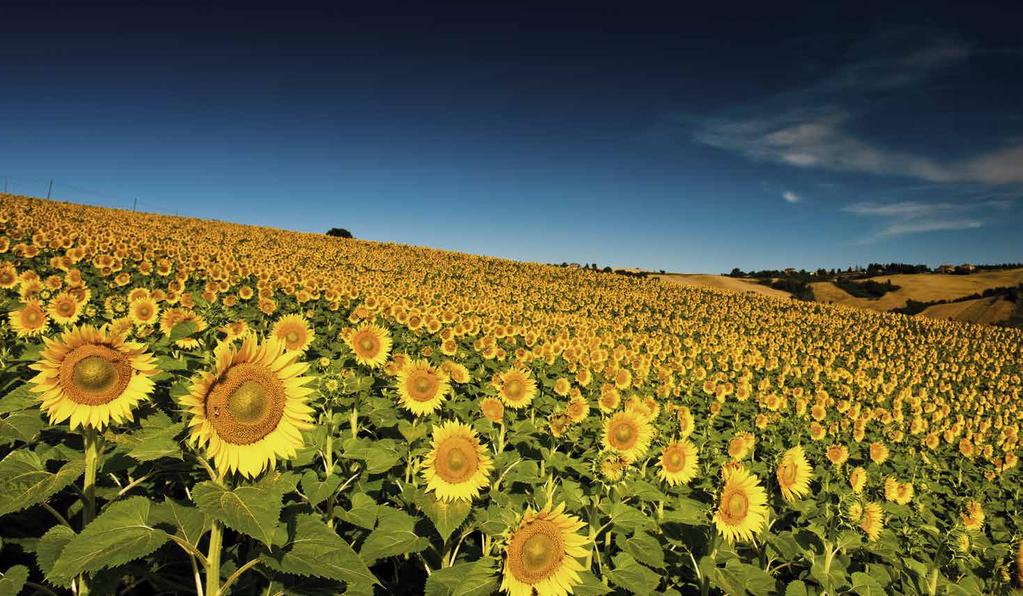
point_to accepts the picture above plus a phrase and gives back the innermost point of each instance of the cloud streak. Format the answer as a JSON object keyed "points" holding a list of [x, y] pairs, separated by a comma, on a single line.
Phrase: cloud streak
{"points": [[813, 127], [916, 217], [791, 197]]}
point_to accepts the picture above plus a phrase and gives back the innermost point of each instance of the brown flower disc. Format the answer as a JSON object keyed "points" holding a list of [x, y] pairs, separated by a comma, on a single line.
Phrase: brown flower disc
{"points": [[457, 459], [94, 375], [245, 404], [536, 551]]}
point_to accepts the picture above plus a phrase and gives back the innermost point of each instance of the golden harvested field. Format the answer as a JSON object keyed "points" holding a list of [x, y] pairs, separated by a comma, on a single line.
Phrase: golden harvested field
{"points": [[722, 282], [924, 287], [981, 310], [191, 406]]}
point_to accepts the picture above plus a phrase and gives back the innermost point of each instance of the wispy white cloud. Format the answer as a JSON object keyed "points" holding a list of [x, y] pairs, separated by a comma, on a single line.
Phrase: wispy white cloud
{"points": [[821, 139], [812, 127], [791, 197], [915, 217]]}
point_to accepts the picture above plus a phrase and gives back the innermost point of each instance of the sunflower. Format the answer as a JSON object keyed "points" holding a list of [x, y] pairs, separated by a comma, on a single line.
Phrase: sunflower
{"points": [[29, 320], [742, 507], [578, 409], [679, 463], [627, 434], [143, 311], [64, 309], [493, 409], [294, 332], [542, 554], [371, 345], [686, 422], [740, 445], [251, 408], [457, 467], [872, 521], [421, 387], [517, 388], [794, 473], [857, 479], [613, 467], [973, 516], [92, 378]]}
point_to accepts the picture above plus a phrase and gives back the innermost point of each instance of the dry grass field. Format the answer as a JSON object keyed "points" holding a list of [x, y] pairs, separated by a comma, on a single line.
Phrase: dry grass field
{"points": [[721, 282], [982, 310], [922, 287]]}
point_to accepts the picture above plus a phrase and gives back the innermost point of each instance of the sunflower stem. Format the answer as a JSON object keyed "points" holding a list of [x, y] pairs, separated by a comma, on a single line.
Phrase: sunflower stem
{"points": [[92, 446], [213, 559]]}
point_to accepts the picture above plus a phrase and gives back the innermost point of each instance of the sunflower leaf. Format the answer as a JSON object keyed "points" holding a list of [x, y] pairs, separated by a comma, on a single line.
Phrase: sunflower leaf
{"points": [[316, 550], [629, 574], [24, 480], [21, 426], [318, 491], [446, 517], [394, 535], [183, 330], [252, 509], [120, 534], [188, 522], [380, 456], [13, 580], [476, 578], [590, 586], [155, 439], [50, 546], [18, 399]]}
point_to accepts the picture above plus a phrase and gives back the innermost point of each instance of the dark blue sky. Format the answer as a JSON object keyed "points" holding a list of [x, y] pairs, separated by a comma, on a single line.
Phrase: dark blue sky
{"points": [[627, 134]]}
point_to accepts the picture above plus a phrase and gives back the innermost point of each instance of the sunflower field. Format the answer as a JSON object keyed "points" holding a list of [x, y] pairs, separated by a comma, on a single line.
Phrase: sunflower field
{"points": [[191, 406]]}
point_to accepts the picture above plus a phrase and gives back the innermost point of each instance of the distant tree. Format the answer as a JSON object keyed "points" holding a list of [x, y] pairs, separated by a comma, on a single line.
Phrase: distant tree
{"points": [[339, 233], [736, 272], [606, 269]]}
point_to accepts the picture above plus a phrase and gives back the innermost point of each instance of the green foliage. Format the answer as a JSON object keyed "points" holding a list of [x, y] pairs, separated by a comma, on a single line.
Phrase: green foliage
{"points": [[252, 509], [25, 481]]}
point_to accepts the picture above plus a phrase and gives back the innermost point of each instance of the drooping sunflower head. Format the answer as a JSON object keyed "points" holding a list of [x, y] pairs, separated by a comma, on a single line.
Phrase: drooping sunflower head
{"points": [[144, 310], [371, 345], [742, 506], [872, 521], [858, 479], [541, 555], [627, 434], [518, 388], [250, 410], [91, 378], [28, 320], [794, 473], [679, 463], [493, 409], [457, 466], [421, 387], [293, 332], [972, 516]]}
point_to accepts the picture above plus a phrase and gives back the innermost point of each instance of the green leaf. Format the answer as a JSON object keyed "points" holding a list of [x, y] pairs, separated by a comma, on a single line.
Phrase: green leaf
{"points": [[318, 491], [411, 432], [646, 549], [590, 586], [866, 585], [394, 535], [380, 455], [21, 426], [18, 399], [24, 480], [252, 509], [14, 580], [796, 588], [316, 550], [477, 578], [120, 534], [632, 576], [183, 330], [739, 576], [628, 518], [50, 546], [446, 516], [155, 439], [363, 512], [687, 511], [188, 522]]}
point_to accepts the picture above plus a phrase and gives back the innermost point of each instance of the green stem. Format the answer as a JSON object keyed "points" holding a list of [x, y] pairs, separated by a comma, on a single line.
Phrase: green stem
{"points": [[213, 559], [92, 444]]}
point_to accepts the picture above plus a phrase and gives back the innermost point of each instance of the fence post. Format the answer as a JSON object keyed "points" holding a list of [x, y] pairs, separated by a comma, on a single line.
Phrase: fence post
{"points": [[50, 189]]}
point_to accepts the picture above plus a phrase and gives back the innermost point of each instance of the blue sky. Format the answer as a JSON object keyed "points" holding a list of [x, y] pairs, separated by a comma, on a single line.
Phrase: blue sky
{"points": [[639, 135]]}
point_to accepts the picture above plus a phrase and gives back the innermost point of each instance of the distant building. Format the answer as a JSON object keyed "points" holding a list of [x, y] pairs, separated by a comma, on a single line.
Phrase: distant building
{"points": [[946, 269], [574, 266], [790, 271], [968, 267]]}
